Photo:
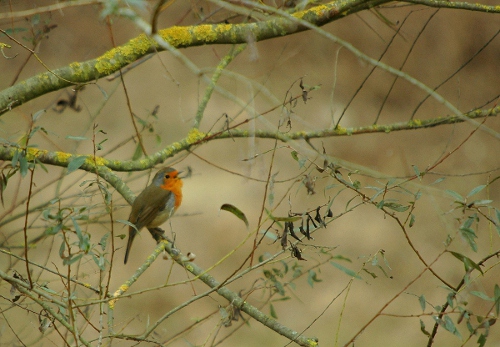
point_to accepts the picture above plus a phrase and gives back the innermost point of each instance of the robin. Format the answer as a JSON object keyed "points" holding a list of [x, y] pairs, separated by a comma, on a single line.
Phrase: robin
{"points": [[155, 205]]}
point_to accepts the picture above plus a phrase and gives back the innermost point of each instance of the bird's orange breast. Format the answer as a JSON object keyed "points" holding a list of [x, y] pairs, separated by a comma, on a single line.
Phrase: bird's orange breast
{"points": [[175, 186]]}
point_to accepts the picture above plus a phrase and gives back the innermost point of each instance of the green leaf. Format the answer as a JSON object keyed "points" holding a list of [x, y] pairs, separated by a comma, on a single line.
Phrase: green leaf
{"points": [[104, 241], [393, 206], [439, 180], [497, 298], [285, 266], [138, 152], [76, 163], [312, 277], [481, 202], [497, 225], [236, 211], [468, 263], [270, 197], [476, 190], [100, 261], [269, 234], [84, 241], [72, 259], [481, 340], [469, 235], [422, 329], [15, 158], [284, 219], [481, 295], [53, 229], [285, 298], [386, 262], [35, 20], [455, 195], [37, 115], [341, 257], [417, 171], [127, 223], [272, 311], [295, 155], [449, 299], [412, 220], [370, 273], [23, 165], [39, 163], [450, 326], [76, 138], [347, 271], [279, 287], [421, 300]]}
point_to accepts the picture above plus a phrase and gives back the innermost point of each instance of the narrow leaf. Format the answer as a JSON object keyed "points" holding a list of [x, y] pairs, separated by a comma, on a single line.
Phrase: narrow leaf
{"points": [[497, 298], [421, 300], [454, 194], [76, 163], [77, 138], [236, 211], [481, 295], [272, 311], [285, 219], [476, 190], [439, 180], [417, 171], [412, 220], [347, 271], [37, 115], [467, 261], [423, 330], [397, 207]]}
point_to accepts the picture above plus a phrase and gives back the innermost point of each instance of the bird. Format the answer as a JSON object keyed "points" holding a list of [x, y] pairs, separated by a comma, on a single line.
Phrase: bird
{"points": [[155, 205]]}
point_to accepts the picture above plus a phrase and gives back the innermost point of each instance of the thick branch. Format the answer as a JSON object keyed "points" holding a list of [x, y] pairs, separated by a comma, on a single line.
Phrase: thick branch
{"points": [[458, 5], [196, 137], [179, 37], [244, 306]]}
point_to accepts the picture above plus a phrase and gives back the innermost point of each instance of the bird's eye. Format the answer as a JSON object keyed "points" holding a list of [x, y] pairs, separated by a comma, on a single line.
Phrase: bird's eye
{"points": [[167, 176]]}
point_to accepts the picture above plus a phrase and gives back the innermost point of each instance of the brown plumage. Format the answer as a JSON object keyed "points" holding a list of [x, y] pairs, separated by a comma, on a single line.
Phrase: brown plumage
{"points": [[155, 204]]}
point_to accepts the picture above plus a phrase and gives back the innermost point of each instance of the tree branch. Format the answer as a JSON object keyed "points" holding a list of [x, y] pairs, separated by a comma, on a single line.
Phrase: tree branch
{"points": [[458, 5], [179, 37]]}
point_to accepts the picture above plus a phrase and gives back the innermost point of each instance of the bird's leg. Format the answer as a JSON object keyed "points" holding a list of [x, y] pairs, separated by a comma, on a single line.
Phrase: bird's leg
{"points": [[158, 234]]}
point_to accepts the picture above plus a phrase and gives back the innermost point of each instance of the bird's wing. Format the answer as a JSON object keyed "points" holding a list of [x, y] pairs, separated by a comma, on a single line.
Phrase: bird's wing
{"points": [[149, 204]]}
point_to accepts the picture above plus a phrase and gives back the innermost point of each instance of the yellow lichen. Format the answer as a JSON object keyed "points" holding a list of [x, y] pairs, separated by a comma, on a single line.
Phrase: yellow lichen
{"points": [[113, 59], [223, 27], [99, 161], [415, 122], [206, 32], [32, 153], [340, 130], [195, 135], [140, 45], [176, 36], [62, 156]]}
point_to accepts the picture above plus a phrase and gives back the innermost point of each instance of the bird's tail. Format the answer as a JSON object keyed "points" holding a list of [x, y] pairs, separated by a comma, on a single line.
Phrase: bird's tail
{"points": [[131, 235]]}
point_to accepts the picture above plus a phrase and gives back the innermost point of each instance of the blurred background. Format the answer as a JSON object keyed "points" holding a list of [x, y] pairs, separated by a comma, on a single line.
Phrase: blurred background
{"points": [[164, 95]]}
